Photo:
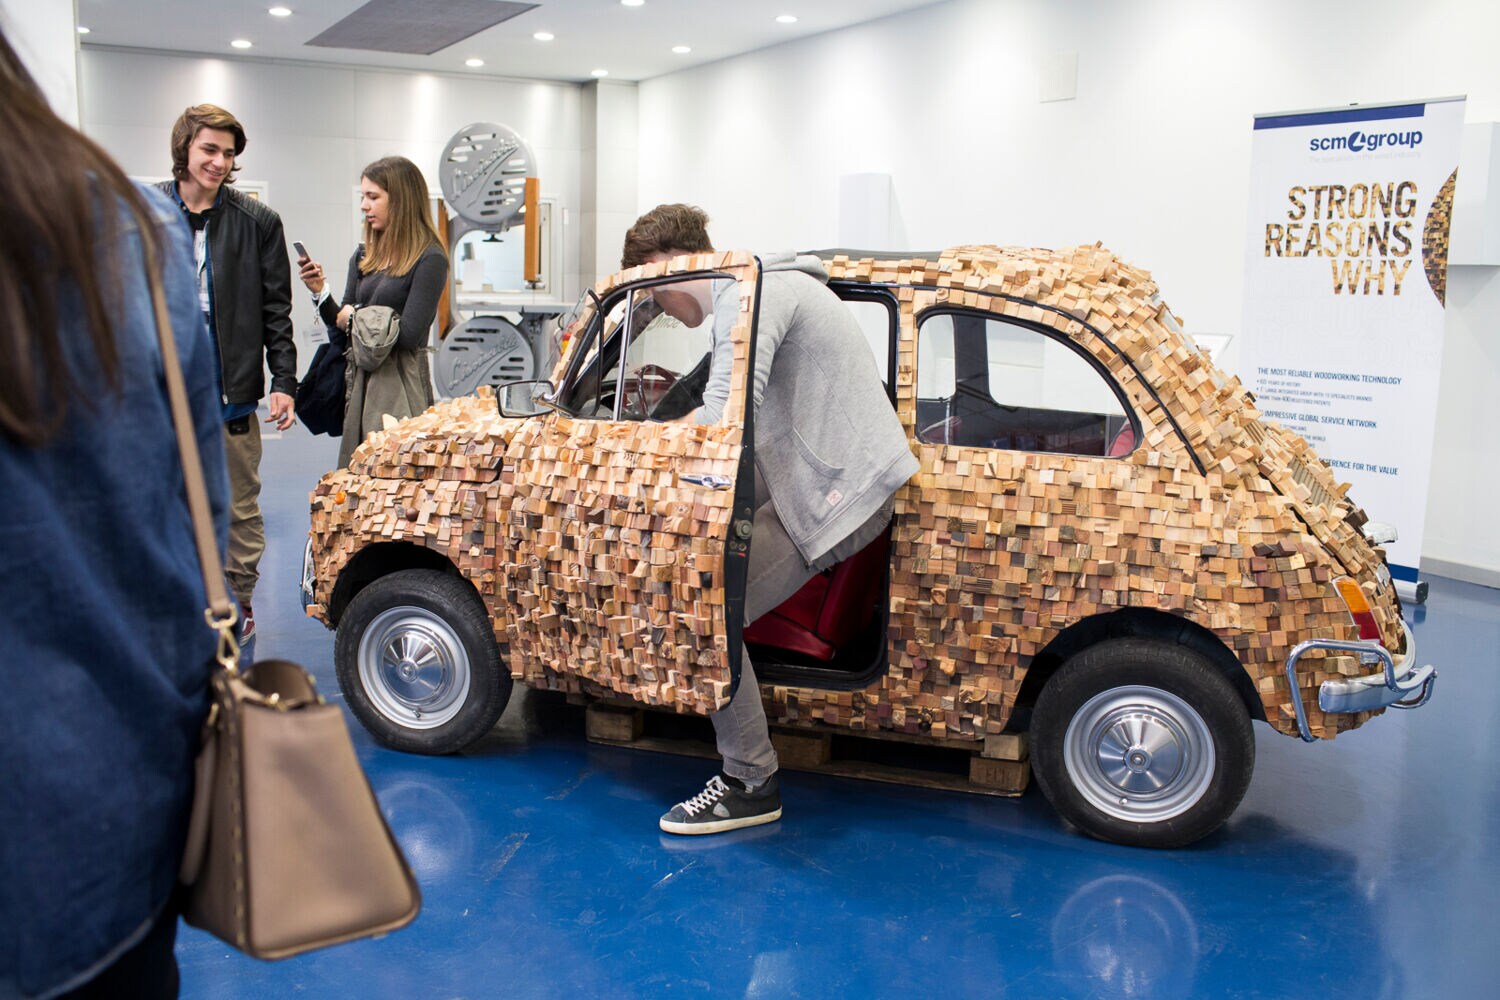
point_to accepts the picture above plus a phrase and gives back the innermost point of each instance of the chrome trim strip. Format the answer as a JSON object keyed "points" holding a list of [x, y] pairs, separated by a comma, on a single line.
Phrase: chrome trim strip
{"points": [[307, 576]]}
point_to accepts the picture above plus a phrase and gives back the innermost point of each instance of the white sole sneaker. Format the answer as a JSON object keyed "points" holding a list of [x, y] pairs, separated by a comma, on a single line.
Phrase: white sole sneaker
{"points": [[720, 825]]}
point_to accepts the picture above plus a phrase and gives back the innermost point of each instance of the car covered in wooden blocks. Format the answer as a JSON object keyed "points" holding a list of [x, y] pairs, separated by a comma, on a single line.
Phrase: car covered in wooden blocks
{"points": [[1106, 546]]}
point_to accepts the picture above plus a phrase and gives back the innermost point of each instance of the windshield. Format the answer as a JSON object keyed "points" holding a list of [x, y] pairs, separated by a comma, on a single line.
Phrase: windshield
{"points": [[576, 319], [644, 354]]}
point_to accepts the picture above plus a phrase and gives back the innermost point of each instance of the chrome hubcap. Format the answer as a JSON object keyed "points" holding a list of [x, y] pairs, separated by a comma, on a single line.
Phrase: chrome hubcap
{"points": [[1139, 753], [414, 668]]}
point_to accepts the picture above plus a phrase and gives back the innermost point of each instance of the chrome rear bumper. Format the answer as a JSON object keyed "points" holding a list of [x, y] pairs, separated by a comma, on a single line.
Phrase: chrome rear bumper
{"points": [[1400, 683]]}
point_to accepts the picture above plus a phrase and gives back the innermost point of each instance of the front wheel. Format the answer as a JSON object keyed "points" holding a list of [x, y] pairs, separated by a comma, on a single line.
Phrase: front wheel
{"points": [[418, 664], [1142, 742]]}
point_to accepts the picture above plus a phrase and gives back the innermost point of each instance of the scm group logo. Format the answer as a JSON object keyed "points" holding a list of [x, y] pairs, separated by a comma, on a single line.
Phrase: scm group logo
{"points": [[1366, 142]]}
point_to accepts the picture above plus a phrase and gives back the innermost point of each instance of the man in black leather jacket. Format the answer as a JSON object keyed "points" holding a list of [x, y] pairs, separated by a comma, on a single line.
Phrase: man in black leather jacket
{"points": [[244, 291]]}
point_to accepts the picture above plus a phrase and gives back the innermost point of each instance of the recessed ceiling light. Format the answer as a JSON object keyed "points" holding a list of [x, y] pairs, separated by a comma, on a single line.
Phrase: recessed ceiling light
{"points": [[241, 43], [476, 63], [544, 36], [631, 3], [599, 73], [786, 19], [82, 30], [280, 12], [681, 50]]}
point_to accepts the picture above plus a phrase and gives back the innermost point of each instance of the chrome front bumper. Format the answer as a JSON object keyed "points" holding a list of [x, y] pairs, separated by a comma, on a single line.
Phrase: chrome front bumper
{"points": [[1399, 683]]}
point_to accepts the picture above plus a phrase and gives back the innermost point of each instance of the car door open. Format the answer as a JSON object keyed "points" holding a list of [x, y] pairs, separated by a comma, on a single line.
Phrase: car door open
{"points": [[624, 555]]}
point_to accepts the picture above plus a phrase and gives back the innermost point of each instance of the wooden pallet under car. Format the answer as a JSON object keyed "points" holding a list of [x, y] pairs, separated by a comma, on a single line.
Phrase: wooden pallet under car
{"points": [[1001, 766]]}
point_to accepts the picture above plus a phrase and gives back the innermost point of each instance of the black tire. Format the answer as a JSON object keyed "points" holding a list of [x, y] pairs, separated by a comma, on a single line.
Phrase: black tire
{"points": [[1142, 742], [418, 664]]}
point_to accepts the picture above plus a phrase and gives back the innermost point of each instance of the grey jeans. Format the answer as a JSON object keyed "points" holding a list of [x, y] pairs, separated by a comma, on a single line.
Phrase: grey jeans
{"points": [[776, 572]]}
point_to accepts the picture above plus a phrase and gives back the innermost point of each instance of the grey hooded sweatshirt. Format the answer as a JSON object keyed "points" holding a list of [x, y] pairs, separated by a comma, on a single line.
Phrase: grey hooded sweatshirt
{"points": [[827, 441]]}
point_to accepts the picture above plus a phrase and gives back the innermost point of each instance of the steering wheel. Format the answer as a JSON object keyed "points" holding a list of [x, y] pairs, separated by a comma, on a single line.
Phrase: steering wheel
{"points": [[687, 395], [644, 389]]}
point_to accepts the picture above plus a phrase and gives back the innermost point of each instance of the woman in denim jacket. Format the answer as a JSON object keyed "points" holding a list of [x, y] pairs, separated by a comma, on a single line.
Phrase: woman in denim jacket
{"points": [[106, 654]]}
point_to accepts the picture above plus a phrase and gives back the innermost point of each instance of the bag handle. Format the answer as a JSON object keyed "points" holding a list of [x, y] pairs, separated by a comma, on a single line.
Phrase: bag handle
{"points": [[220, 613]]}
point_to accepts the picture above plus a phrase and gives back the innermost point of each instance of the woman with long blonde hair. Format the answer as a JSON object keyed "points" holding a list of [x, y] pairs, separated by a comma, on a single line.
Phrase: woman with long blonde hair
{"points": [[401, 265]]}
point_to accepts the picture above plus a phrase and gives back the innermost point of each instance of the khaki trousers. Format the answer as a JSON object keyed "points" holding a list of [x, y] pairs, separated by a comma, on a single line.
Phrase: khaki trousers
{"points": [[247, 529]]}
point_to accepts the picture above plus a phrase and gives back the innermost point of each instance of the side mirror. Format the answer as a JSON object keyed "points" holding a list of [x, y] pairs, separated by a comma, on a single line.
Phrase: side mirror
{"points": [[524, 399]]}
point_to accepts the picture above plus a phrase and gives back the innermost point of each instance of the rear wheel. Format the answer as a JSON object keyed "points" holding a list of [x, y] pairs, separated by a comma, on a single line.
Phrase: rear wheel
{"points": [[1142, 742], [418, 664]]}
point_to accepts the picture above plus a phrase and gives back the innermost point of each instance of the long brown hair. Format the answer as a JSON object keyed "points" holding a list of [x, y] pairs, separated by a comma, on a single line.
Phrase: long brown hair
{"points": [[408, 228], [61, 199]]}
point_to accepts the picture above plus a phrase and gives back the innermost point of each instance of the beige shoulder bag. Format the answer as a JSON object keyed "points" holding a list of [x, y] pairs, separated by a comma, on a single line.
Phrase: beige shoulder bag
{"points": [[287, 849]]}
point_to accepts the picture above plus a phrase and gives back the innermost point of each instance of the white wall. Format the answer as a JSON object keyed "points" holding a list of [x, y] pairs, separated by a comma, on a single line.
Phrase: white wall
{"points": [[312, 128], [45, 36], [1463, 533], [607, 187], [1152, 158]]}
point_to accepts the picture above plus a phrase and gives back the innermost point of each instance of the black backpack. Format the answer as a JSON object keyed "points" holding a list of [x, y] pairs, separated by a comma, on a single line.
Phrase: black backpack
{"points": [[320, 394]]}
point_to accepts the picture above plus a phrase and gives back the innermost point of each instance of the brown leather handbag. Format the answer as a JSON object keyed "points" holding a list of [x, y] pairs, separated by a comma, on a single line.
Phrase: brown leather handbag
{"points": [[287, 848]]}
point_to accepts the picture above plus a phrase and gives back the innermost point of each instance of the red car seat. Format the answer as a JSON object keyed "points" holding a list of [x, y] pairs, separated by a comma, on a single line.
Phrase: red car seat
{"points": [[830, 609], [1124, 442]]}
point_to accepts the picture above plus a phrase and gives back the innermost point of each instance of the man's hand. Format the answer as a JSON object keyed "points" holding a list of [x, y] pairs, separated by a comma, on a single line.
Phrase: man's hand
{"points": [[282, 413]]}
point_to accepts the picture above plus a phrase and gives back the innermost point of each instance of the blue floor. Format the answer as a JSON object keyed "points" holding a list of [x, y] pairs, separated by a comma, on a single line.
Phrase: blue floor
{"points": [[1365, 867]]}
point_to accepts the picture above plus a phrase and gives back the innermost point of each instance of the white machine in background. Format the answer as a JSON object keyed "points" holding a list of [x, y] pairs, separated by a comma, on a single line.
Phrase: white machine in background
{"points": [[489, 180]]}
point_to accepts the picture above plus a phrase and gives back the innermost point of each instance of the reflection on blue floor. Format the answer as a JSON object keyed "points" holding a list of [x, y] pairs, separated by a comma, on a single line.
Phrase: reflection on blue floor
{"points": [[1365, 867]]}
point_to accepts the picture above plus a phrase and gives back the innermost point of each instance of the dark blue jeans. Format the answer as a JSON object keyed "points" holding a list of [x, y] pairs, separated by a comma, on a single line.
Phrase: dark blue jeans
{"points": [[148, 971]]}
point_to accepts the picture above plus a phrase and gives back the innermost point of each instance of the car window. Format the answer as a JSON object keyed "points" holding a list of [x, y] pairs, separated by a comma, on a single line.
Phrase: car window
{"points": [[874, 318], [648, 357], [590, 391], [986, 382]]}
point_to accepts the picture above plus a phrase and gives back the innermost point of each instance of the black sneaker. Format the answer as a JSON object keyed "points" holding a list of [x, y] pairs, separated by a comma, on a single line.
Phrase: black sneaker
{"points": [[724, 804]]}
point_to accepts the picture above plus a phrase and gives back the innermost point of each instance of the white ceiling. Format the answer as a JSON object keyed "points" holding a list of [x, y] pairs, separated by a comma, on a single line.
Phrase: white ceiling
{"points": [[632, 43]]}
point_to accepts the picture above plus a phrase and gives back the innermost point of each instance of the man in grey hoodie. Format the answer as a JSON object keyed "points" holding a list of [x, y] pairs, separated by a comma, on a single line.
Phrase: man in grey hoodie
{"points": [[830, 453]]}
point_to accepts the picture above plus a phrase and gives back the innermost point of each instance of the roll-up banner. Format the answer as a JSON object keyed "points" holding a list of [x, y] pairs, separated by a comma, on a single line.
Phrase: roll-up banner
{"points": [[1345, 275]]}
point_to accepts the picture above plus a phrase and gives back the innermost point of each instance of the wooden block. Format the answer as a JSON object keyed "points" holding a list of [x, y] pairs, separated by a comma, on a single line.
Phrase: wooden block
{"points": [[613, 723], [800, 750], [1010, 775], [1006, 746]]}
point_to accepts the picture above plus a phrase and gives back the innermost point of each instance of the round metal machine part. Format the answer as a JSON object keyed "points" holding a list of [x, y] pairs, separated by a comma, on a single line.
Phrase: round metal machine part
{"points": [[483, 175], [485, 350]]}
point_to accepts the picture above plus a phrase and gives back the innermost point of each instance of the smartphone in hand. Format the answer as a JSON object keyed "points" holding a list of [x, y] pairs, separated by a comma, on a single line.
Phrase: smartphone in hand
{"points": [[302, 253]]}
